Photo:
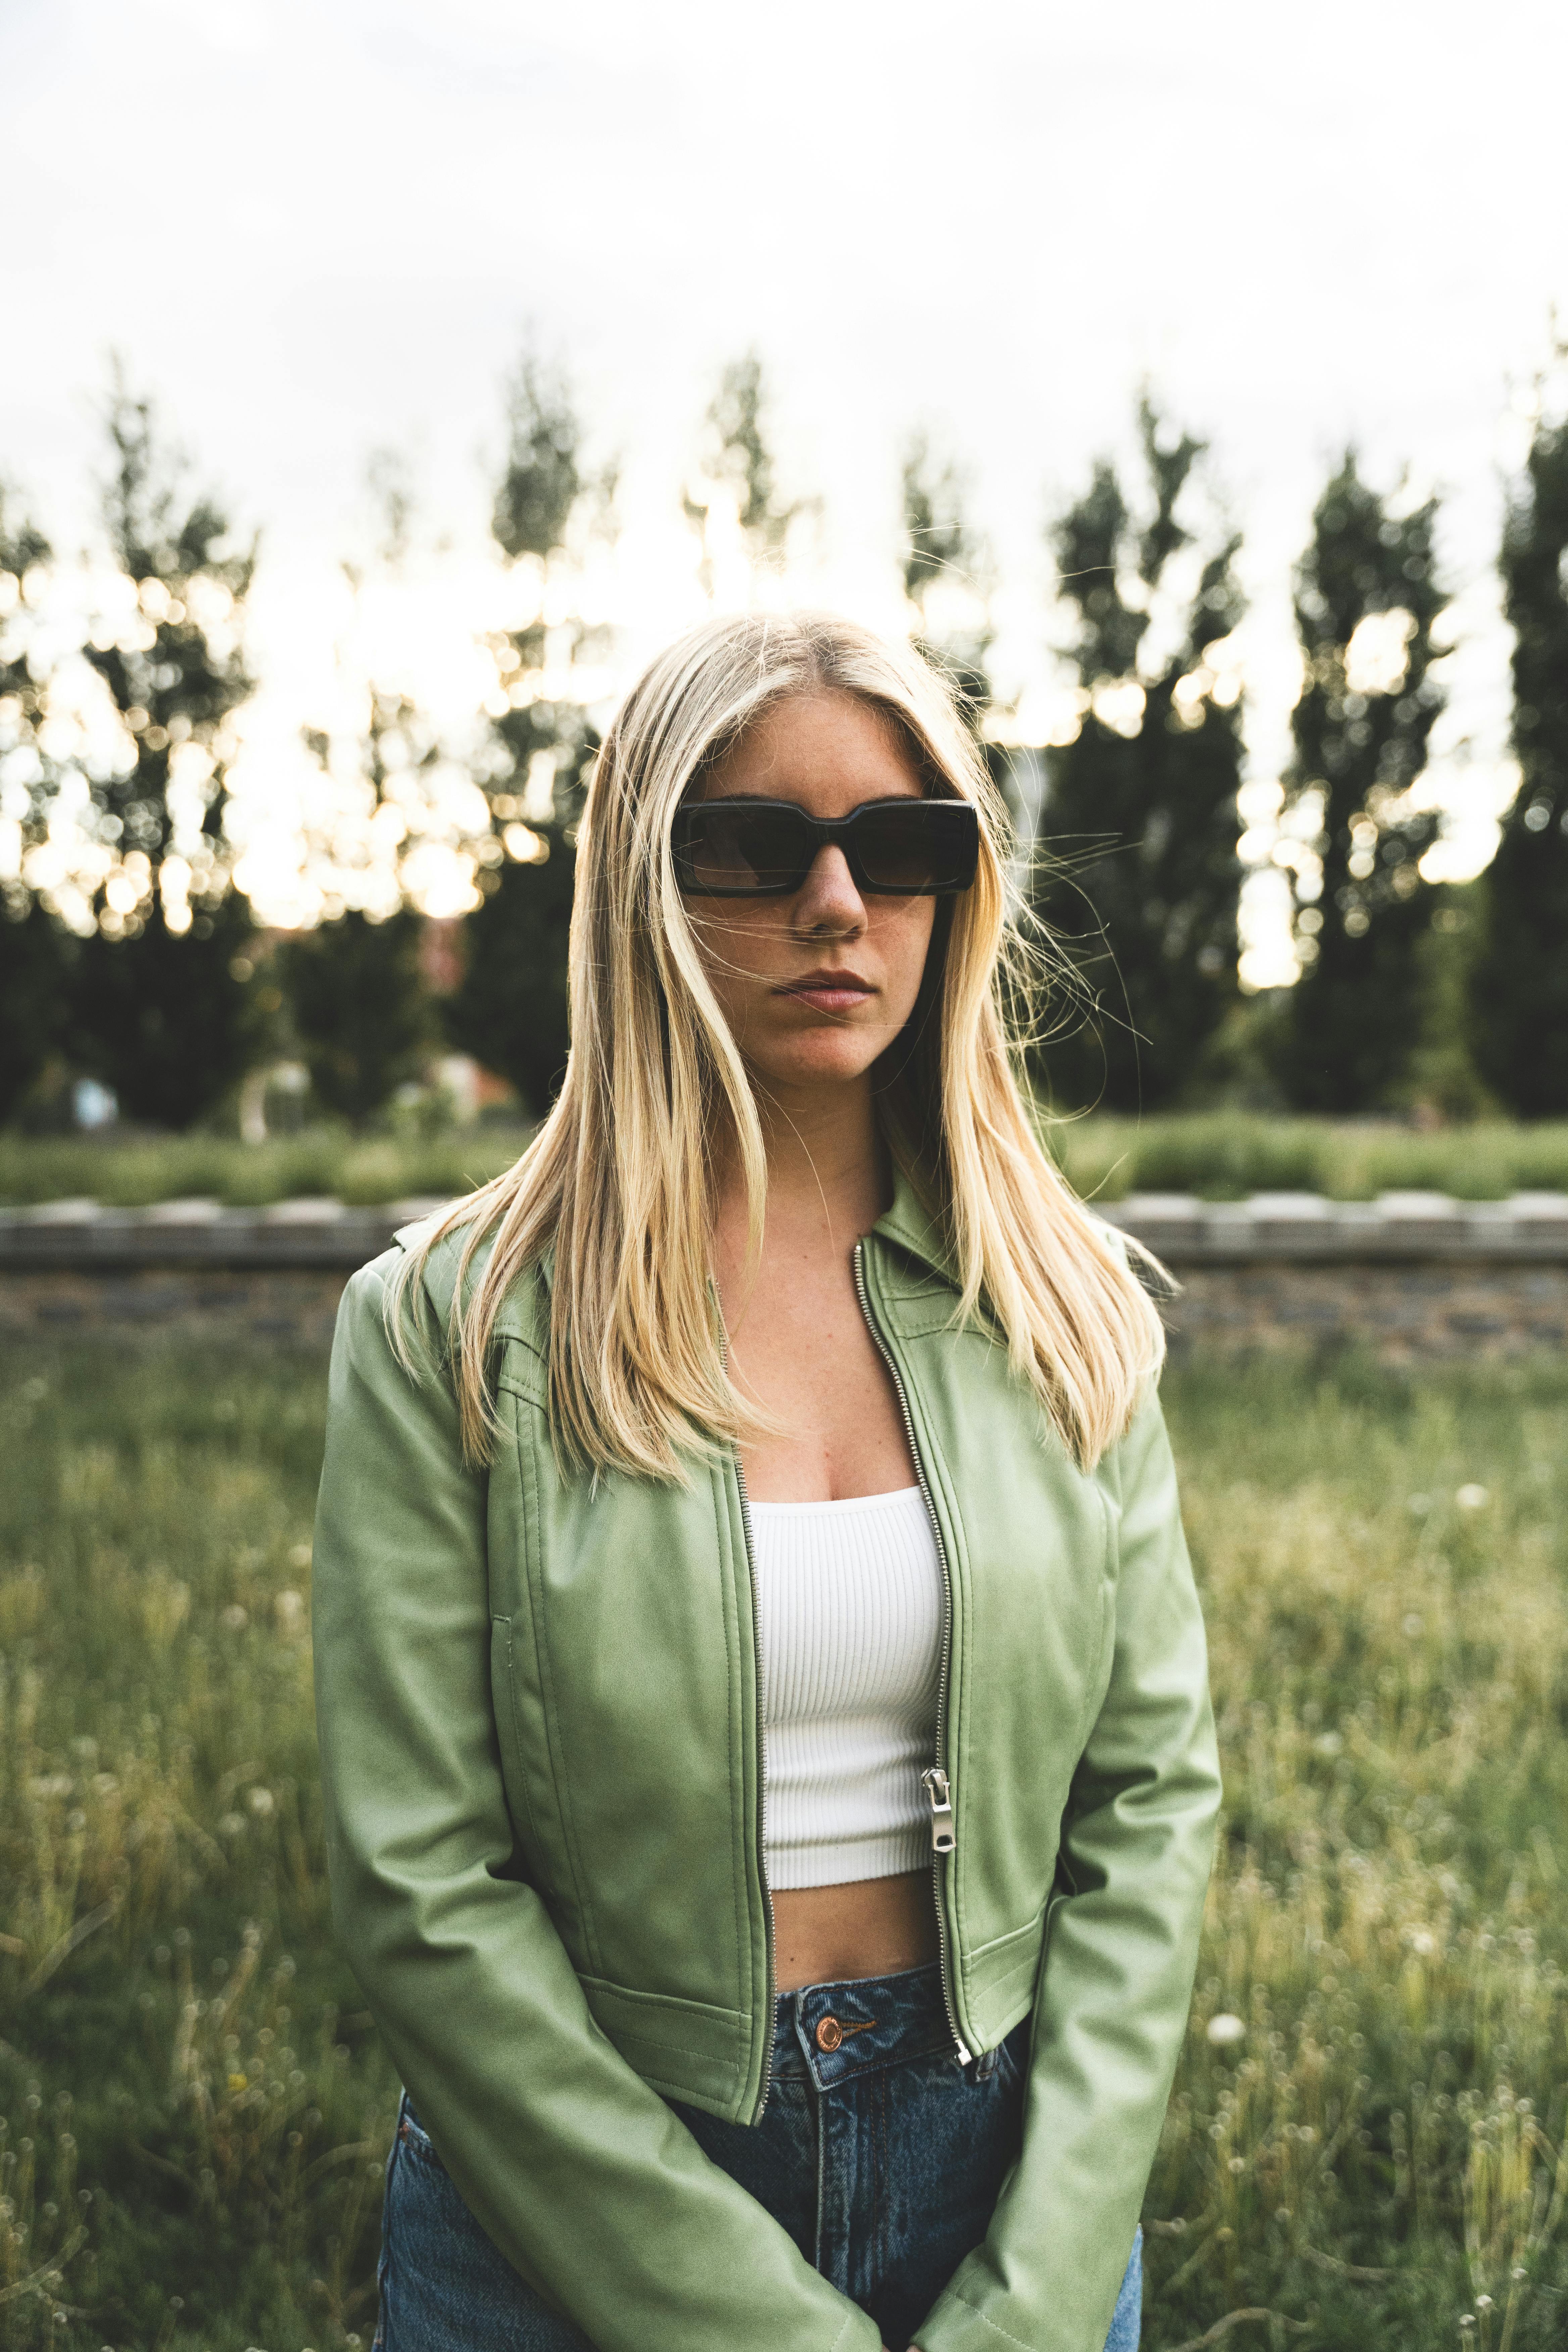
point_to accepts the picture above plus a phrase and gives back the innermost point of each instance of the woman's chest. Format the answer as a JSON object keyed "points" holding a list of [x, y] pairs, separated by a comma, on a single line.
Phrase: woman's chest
{"points": [[801, 1350]]}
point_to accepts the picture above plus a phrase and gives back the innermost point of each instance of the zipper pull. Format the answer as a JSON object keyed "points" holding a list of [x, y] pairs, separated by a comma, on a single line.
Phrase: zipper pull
{"points": [[934, 1783]]}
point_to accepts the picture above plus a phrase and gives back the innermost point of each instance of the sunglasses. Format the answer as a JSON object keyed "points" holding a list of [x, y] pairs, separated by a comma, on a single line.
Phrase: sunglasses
{"points": [[765, 849]]}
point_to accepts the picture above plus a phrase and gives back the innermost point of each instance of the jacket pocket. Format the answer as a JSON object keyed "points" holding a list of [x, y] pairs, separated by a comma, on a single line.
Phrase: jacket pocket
{"points": [[515, 1760], [1098, 1678]]}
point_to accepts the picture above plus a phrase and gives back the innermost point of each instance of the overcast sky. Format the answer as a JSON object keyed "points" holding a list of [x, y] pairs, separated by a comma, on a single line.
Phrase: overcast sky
{"points": [[316, 228]]}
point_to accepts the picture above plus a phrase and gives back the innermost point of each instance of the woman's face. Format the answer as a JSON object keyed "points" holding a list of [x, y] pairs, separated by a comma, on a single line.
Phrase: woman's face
{"points": [[816, 985]]}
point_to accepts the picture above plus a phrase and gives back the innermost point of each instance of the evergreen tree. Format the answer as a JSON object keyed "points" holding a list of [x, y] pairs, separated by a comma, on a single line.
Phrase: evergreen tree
{"points": [[359, 1009], [357, 1004], [1137, 877], [945, 566], [740, 457], [34, 947], [945, 561], [159, 1011], [1366, 599], [1520, 994], [509, 1009]]}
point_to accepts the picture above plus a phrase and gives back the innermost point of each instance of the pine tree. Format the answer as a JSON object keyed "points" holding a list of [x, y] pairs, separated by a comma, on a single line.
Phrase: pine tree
{"points": [[738, 457], [510, 1009], [1136, 875], [945, 566], [35, 950], [358, 1005], [159, 1011], [1520, 994], [358, 1008], [1366, 599]]}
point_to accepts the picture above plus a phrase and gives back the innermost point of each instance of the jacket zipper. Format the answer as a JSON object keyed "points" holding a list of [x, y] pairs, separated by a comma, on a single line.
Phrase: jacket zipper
{"points": [[758, 1673], [762, 1793], [943, 1830]]}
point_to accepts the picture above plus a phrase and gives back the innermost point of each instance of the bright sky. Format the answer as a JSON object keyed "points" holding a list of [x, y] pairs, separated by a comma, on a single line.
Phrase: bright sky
{"points": [[317, 228]]}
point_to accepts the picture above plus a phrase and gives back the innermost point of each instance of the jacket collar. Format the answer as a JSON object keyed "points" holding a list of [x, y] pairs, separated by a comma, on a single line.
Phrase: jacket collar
{"points": [[916, 1228]]}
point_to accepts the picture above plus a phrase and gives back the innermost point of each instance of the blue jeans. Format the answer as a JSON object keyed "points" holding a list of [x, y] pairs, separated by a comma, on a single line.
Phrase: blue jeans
{"points": [[878, 2151]]}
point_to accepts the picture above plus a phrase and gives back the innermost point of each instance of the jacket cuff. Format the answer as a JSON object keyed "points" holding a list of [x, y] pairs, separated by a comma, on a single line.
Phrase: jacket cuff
{"points": [[1001, 2324]]}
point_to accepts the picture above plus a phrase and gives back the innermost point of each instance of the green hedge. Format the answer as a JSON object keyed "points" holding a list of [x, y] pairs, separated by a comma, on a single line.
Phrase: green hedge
{"points": [[1220, 1155]]}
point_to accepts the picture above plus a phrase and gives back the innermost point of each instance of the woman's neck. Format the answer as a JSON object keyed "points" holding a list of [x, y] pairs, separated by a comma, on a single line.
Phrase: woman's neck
{"points": [[828, 1175]]}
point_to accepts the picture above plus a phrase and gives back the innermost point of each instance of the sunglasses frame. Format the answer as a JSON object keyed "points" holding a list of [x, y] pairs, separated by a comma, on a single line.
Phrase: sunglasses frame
{"points": [[822, 833]]}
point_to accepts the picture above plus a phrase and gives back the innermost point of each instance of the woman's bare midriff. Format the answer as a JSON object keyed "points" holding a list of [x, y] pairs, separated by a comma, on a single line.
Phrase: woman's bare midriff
{"points": [[870, 1927]]}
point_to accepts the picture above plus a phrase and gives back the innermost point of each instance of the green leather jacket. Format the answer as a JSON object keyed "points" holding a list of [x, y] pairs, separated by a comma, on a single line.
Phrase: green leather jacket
{"points": [[539, 1715]]}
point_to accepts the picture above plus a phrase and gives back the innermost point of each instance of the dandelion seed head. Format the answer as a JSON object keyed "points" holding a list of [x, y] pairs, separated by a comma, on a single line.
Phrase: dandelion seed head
{"points": [[1225, 2030]]}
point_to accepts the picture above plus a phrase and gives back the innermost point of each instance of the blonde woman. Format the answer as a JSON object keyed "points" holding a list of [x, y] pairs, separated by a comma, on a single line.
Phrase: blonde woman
{"points": [[769, 1769]]}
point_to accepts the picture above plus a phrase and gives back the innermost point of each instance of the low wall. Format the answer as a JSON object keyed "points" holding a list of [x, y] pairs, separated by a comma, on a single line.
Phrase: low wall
{"points": [[1412, 1276]]}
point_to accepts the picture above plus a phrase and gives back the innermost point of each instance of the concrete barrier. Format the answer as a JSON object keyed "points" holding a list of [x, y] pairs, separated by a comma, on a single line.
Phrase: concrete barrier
{"points": [[1410, 1274]]}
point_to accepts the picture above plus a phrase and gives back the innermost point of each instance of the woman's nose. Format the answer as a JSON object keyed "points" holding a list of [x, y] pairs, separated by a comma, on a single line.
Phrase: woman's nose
{"points": [[827, 899]]}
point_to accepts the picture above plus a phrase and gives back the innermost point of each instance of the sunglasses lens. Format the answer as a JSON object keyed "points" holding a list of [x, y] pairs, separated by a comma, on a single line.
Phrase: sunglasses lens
{"points": [[918, 845], [729, 847]]}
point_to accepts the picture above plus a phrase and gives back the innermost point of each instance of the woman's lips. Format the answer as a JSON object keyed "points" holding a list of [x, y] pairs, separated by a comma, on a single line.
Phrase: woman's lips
{"points": [[829, 992]]}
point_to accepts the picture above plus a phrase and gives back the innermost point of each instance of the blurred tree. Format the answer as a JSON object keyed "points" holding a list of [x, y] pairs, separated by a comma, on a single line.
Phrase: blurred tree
{"points": [[739, 458], [1521, 993], [357, 1008], [160, 1007], [1366, 599], [1137, 877], [393, 806], [35, 948], [946, 579], [542, 479], [509, 1010], [944, 567]]}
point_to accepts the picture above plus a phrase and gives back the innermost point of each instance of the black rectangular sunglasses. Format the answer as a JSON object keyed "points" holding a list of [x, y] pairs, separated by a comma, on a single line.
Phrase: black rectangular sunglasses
{"points": [[765, 849]]}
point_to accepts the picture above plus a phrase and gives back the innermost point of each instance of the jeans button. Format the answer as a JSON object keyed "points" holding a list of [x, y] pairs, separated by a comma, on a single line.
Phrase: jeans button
{"points": [[829, 2033]]}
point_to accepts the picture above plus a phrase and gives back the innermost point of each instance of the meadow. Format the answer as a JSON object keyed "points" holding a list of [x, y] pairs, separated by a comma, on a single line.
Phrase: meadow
{"points": [[1220, 1155], [1368, 2142]]}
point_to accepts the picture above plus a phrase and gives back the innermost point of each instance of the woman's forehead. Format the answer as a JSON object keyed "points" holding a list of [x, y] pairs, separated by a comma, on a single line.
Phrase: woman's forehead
{"points": [[828, 751]]}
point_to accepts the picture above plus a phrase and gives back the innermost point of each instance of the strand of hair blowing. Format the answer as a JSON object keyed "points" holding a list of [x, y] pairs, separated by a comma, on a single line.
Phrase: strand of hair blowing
{"points": [[618, 1179]]}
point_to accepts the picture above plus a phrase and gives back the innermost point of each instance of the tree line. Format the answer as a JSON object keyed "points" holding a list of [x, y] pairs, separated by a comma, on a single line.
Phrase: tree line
{"points": [[128, 953]]}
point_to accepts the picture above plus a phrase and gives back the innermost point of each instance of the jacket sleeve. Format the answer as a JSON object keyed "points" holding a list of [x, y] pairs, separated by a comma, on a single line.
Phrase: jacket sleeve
{"points": [[583, 2176], [1110, 2006]]}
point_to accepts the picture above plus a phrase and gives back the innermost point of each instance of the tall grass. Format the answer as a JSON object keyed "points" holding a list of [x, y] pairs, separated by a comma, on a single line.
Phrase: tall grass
{"points": [[1219, 1155], [180, 2038], [1368, 2135], [1365, 2143]]}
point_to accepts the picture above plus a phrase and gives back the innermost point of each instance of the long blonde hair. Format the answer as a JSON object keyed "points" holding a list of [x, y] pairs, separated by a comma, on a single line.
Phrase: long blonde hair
{"points": [[619, 1176]]}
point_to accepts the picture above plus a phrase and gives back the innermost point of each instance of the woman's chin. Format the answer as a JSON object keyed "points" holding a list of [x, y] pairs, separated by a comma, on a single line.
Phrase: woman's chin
{"points": [[829, 1060]]}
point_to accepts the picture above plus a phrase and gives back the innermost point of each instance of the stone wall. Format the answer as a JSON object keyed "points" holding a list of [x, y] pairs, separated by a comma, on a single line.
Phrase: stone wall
{"points": [[1411, 1276]]}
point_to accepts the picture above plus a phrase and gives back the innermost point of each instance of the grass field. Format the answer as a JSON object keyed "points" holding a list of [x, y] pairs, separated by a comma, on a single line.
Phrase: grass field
{"points": [[1365, 2146], [1220, 1155]]}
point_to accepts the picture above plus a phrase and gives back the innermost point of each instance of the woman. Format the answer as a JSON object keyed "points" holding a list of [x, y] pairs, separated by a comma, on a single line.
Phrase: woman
{"points": [[769, 1769]]}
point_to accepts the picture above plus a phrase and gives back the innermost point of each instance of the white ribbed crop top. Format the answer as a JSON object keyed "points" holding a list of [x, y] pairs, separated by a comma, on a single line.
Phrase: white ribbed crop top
{"points": [[850, 1607]]}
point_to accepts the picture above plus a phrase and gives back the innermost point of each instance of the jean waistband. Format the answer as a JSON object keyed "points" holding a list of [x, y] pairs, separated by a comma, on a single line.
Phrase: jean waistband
{"points": [[834, 2031]]}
